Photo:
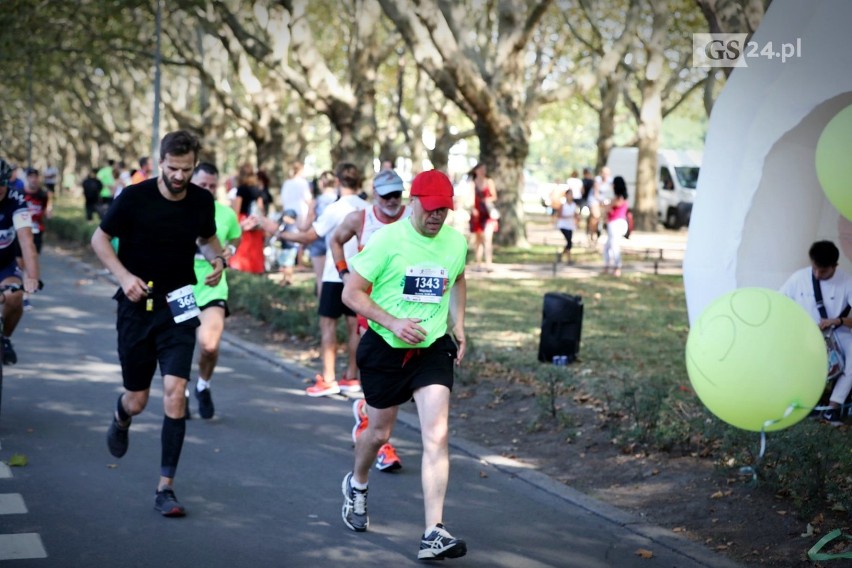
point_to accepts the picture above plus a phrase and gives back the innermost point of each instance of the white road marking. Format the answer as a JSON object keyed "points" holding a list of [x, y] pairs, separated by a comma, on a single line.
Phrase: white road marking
{"points": [[12, 504], [21, 546]]}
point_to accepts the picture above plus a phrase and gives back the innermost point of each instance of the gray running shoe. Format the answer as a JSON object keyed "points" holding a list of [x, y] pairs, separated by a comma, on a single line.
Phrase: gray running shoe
{"points": [[117, 439], [354, 506], [440, 544], [167, 504]]}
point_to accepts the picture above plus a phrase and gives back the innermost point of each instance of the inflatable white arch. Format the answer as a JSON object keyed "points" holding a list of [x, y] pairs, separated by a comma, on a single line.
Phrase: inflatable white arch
{"points": [[759, 203]]}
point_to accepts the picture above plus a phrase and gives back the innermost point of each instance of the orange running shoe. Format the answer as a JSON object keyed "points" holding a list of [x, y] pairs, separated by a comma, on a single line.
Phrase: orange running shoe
{"points": [[323, 388], [359, 410], [349, 385], [387, 460]]}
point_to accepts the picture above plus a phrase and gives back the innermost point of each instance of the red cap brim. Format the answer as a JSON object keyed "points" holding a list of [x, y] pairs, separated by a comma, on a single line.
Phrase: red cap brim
{"points": [[432, 202]]}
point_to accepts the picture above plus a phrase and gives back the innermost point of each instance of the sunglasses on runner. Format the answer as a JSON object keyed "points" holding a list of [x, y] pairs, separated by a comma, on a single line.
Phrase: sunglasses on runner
{"points": [[392, 195]]}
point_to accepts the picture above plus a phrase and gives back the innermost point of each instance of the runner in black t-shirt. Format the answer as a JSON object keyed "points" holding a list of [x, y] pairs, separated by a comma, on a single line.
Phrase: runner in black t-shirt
{"points": [[159, 224]]}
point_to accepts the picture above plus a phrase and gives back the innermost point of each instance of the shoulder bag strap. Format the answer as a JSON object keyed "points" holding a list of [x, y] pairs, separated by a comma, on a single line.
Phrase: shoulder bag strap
{"points": [[818, 295]]}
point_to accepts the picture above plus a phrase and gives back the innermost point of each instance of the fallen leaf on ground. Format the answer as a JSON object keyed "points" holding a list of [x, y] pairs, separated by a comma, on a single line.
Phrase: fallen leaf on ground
{"points": [[18, 460], [643, 553]]}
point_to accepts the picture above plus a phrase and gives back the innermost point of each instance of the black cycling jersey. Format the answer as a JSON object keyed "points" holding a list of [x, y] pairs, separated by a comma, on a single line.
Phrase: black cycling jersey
{"points": [[13, 211]]}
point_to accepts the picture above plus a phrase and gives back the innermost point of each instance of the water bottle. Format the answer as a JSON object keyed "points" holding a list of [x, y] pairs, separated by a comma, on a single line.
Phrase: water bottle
{"points": [[254, 211]]}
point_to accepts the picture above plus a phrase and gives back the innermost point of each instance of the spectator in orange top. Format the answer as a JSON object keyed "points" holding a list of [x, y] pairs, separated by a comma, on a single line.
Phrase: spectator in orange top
{"points": [[144, 171]]}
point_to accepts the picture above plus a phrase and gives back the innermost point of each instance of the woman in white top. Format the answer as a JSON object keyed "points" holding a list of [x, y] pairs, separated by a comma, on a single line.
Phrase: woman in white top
{"points": [[567, 217]]}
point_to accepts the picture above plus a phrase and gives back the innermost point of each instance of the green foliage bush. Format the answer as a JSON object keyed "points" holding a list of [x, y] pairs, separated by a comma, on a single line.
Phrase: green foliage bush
{"points": [[68, 223], [289, 308]]}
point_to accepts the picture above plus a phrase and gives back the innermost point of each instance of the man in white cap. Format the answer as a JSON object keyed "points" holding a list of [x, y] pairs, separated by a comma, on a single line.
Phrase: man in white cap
{"points": [[415, 271]]}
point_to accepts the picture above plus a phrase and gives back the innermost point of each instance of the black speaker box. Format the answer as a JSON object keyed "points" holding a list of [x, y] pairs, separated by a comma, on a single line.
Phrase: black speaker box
{"points": [[561, 327]]}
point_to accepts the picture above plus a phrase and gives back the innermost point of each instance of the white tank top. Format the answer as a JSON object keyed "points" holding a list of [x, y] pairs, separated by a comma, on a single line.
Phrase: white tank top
{"points": [[372, 224]]}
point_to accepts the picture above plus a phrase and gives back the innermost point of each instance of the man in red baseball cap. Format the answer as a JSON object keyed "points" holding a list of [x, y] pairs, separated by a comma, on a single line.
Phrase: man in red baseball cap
{"points": [[416, 270]]}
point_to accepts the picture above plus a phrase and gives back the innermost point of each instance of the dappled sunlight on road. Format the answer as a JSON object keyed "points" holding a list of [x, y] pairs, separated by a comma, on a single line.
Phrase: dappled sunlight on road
{"points": [[78, 371], [505, 462], [49, 313], [64, 408]]}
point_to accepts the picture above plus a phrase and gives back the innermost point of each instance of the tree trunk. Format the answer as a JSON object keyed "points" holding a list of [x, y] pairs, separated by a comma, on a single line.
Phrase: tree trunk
{"points": [[650, 124], [610, 92], [606, 128], [504, 158], [350, 148], [440, 154], [271, 151], [650, 120]]}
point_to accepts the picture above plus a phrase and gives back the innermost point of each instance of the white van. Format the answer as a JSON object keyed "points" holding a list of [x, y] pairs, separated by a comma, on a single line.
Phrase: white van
{"points": [[677, 178]]}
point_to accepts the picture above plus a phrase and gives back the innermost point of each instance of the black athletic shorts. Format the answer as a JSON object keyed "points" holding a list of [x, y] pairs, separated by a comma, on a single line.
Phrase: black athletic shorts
{"points": [[331, 301], [389, 376], [218, 304], [147, 338]]}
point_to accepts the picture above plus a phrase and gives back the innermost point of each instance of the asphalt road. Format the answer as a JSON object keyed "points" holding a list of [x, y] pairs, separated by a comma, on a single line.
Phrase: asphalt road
{"points": [[261, 481]]}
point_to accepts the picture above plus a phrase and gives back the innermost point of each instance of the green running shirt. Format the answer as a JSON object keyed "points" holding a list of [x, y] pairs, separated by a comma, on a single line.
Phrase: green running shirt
{"points": [[412, 276], [227, 229]]}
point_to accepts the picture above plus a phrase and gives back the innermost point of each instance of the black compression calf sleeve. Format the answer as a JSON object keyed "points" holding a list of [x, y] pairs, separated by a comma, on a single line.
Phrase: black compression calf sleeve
{"points": [[174, 431], [123, 417]]}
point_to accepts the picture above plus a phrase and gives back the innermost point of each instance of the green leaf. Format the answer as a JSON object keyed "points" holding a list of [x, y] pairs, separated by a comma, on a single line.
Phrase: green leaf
{"points": [[18, 460]]}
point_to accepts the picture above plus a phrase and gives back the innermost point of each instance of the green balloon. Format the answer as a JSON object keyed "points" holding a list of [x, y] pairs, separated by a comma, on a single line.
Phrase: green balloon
{"points": [[833, 166], [752, 354]]}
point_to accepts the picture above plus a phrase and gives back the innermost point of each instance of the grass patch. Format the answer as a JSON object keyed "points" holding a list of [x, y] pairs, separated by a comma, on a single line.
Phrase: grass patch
{"points": [[68, 222]]}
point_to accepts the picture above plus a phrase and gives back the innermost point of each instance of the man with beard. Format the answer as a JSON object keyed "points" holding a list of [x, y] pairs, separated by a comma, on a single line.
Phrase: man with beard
{"points": [[159, 223], [387, 208]]}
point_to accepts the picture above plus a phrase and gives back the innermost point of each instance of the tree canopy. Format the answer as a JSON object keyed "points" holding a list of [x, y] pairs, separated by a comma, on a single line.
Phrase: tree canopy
{"points": [[549, 82]]}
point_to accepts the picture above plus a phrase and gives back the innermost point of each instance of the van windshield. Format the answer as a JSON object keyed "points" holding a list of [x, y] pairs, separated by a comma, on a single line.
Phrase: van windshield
{"points": [[687, 176]]}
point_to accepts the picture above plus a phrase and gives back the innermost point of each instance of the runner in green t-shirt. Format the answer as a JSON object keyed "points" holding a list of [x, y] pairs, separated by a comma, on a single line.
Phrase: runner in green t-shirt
{"points": [[211, 300], [416, 269], [107, 176]]}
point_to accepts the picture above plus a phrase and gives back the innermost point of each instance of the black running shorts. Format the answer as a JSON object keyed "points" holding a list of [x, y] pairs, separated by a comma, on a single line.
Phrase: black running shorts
{"points": [[389, 376], [331, 301], [147, 338], [216, 304]]}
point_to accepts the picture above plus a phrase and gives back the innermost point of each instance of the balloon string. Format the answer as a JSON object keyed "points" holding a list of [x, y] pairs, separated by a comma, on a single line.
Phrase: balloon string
{"points": [[752, 470]]}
